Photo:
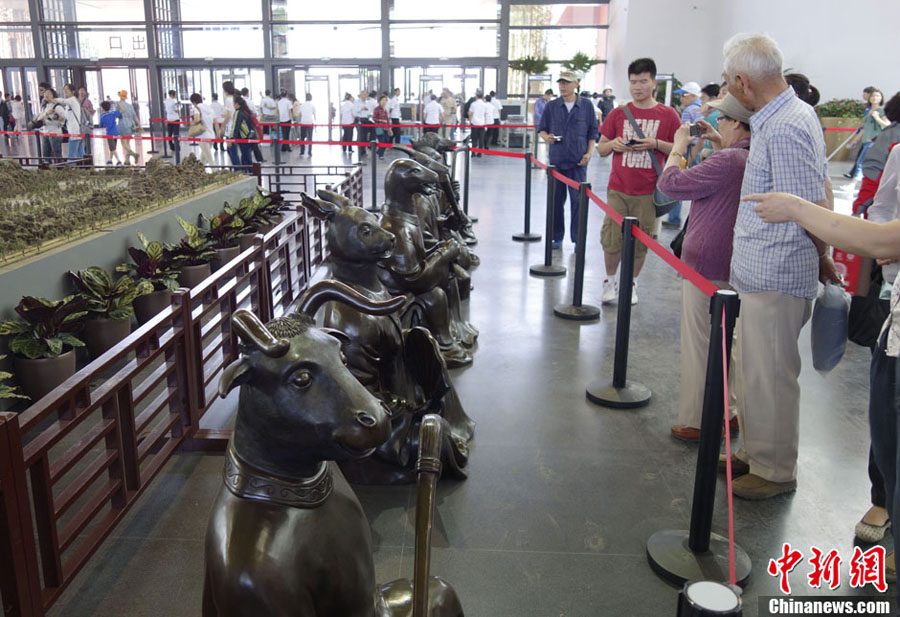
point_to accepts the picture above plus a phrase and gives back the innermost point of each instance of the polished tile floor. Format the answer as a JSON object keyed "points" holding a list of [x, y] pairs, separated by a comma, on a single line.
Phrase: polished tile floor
{"points": [[562, 495]]}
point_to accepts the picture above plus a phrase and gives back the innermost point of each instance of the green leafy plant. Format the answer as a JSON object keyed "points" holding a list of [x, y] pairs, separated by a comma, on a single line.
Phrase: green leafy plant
{"points": [[107, 298], [263, 208], [581, 63], [155, 263], [661, 91], [223, 229], [530, 65], [194, 249], [841, 108], [8, 391], [46, 326]]}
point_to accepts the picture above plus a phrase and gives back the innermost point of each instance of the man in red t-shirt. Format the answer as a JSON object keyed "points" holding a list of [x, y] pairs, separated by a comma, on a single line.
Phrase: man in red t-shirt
{"points": [[633, 177]]}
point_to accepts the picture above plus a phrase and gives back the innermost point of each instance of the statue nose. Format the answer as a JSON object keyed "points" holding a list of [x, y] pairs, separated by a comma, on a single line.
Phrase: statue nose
{"points": [[366, 419]]}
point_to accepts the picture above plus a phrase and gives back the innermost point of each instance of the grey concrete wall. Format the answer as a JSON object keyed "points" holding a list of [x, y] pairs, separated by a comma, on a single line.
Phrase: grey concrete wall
{"points": [[43, 274]]}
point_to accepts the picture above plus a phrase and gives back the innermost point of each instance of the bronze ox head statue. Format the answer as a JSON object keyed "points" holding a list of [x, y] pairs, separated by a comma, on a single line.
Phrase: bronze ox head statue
{"points": [[299, 404]]}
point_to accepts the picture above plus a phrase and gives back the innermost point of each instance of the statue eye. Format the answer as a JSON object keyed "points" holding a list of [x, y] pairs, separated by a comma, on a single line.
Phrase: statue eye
{"points": [[365, 230], [302, 379]]}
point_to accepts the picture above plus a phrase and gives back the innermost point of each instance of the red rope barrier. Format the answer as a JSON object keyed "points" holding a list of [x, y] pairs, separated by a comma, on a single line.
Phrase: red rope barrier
{"points": [[514, 155], [541, 165], [568, 181], [683, 269], [836, 128]]}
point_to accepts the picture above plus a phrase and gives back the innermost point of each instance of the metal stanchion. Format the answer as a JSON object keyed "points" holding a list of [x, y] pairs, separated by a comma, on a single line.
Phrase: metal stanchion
{"points": [[373, 145], [578, 311], [548, 268], [527, 236], [152, 149], [165, 133], [276, 147], [176, 147], [466, 167], [621, 393], [679, 555]]}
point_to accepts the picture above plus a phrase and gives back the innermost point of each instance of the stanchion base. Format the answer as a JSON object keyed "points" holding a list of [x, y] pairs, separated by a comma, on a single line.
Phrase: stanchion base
{"points": [[672, 559], [523, 237], [152, 151], [585, 312], [166, 156], [631, 396], [551, 270]]}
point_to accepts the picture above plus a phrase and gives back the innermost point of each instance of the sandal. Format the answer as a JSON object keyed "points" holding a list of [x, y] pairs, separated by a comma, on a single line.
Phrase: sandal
{"points": [[890, 568]]}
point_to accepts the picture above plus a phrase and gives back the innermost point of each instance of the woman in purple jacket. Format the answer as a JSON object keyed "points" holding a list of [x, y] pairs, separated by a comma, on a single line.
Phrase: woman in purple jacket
{"points": [[714, 188]]}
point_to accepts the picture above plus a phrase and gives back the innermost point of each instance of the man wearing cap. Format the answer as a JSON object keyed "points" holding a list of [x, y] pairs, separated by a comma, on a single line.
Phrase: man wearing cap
{"points": [[690, 113], [569, 125], [633, 175], [606, 103]]}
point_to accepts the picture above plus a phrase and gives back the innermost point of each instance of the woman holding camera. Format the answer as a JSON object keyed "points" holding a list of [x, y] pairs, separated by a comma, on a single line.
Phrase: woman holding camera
{"points": [[714, 188]]}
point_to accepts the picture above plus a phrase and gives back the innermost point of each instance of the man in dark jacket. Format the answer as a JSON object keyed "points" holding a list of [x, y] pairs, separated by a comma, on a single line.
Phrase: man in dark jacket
{"points": [[607, 102], [569, 125]]}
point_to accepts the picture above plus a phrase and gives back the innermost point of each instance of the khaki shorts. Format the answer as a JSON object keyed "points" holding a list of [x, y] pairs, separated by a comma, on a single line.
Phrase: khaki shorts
{"points": [[638, 206]]}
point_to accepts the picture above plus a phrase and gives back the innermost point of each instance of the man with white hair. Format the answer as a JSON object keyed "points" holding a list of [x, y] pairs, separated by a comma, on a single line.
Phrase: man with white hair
{"points": [[775, 268]]}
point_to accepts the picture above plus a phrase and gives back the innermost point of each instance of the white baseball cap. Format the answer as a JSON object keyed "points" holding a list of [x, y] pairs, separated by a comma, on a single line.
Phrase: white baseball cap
{"points": [[691, 87]]}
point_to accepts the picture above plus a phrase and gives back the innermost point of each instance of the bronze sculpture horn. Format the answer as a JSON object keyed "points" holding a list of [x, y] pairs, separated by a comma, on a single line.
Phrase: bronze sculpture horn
{"points": [[253, 331], [336, 198], [326, 291]]}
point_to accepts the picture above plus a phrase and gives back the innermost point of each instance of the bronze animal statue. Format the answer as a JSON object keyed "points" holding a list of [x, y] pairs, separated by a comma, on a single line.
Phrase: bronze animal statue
{"points": [[402, 367], [287, 535], [411, 269]]}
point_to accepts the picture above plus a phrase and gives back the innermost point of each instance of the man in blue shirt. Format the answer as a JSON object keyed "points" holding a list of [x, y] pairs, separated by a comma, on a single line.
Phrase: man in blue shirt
{"points": [[690, 98], [569, 125]]}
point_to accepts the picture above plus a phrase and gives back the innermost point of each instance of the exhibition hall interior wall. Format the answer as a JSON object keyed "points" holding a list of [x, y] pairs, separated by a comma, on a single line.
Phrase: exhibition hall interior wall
{"points": [[842, 47]]}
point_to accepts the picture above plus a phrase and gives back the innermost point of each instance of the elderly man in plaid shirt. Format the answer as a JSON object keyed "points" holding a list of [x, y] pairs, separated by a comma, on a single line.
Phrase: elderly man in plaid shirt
{"points": [[775, 268]]}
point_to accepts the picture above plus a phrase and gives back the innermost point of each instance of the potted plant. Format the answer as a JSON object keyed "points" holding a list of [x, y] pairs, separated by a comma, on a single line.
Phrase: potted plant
{"points": [[109, 306], [193, 254], [43, 341], [529, 65], [223, 231], [581, 63], [155, 264], [5, 390], [840, 114]]}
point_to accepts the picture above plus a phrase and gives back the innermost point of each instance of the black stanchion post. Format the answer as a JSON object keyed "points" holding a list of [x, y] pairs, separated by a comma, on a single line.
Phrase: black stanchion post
{"points": [[578, 311], [176, 146], [165, 143], [276, 147], [679, 555], [152, 149], [621, 393], [527, 236], [548, 268], [374, 207], [466, 168]]}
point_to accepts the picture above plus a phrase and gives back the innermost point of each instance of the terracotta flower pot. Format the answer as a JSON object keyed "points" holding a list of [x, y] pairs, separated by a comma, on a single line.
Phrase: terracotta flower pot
{"points": [[102, 334], [191, 276], [148, 306], [246, 242], [223, 256], [40, 376]]}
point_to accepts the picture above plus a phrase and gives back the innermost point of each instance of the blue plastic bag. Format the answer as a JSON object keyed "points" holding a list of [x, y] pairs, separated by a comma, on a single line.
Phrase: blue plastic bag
{"points": [[828, 332]]}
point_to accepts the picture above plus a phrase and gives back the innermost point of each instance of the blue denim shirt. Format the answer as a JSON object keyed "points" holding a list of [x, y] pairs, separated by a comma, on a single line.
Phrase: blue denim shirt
{"points": [[577, 127]]}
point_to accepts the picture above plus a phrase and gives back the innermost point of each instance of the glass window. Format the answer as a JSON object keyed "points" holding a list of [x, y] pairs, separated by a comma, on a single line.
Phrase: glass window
{"points": [[559, 15], [334, 10], [557, 43], [220, 10], [443, 40], [16, 43], [95, 42], [14, 10], [326, 41], [458, 9], [210, 41], [93, 10], [592, 81]]}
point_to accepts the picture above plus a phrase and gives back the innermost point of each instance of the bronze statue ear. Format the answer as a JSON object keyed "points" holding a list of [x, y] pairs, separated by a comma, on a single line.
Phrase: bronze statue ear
{"points": [[334, 198], [319, 208], [338, 334], [233, 375]]}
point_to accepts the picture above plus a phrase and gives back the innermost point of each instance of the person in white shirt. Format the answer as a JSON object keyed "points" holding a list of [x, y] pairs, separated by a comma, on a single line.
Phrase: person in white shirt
{"points": [[347, 122], [231, 148], [480, 114], [268, 109], [72, 121], [307, 119], [219, 113], [393, 108], [432, 115], [203, 113], [172, 119], [493, 134], [362, 112], [284, 118], [257, 153]]}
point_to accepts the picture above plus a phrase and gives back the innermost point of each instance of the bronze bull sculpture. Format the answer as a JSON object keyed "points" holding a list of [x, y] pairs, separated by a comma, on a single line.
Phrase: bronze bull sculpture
{"points": [[287, 535]]}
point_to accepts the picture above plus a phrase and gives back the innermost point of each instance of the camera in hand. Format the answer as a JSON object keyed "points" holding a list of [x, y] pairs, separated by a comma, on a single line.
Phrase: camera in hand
{"points": [[695, 130], [558, 138], [631, 142]]}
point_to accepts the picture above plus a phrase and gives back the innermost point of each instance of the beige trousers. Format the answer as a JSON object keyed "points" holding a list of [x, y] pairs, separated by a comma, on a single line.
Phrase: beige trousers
{"points": [[768, 328], [206, 156], [695, 326]]}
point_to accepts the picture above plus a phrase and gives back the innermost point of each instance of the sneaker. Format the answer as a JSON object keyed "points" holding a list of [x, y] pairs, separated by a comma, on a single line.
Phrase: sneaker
{"points": [[633, 293], [610, 291], [738, 467], [756, 488], [671, 225]]}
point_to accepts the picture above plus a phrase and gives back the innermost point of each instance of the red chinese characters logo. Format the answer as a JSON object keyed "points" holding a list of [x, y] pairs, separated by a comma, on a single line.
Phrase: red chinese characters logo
{"points": [[868, 567], [784, 564], [826, 569]]}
